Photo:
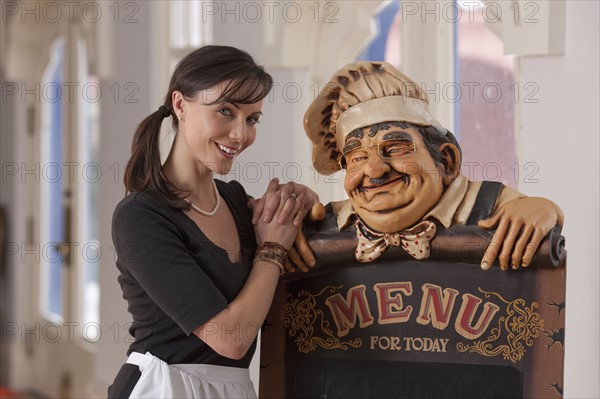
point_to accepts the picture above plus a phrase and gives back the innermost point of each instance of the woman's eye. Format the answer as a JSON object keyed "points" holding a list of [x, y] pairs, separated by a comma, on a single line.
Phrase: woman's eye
{"points": [[253, 120], [225, 111]]}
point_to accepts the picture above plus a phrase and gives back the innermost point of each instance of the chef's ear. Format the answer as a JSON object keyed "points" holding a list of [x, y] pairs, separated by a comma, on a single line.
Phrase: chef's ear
{"points": [[450, 162]]}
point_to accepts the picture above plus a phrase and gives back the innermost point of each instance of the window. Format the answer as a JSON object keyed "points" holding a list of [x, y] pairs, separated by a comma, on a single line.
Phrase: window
{"points": [[486, 98], [383, 46], [190, 27], [52, 210], [483, 92], [88, 139], [69, 184]]}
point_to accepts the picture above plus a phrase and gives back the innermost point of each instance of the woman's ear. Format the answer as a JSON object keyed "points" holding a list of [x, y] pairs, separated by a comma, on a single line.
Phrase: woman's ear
{"points": [[450, 162], [177, 101]]}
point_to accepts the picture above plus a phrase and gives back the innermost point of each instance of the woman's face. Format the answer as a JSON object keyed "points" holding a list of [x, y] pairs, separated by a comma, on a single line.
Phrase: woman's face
{"points": [[213, 135]]}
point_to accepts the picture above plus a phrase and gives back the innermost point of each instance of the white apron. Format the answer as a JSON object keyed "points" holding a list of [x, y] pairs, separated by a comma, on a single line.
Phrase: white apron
{"points": [[161, 380]]}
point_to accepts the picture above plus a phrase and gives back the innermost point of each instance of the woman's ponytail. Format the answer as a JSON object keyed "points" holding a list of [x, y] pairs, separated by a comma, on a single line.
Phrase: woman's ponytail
{"points": [[144, 169]]}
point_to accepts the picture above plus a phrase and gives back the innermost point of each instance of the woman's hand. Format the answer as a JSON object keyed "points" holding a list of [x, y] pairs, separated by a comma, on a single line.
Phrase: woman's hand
{"points": [[276, 194], [305, 200], [284, 232]]}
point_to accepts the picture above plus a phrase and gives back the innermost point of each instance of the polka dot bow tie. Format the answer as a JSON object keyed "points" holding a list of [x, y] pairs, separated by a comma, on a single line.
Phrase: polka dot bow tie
{"points": [[415, 241]]}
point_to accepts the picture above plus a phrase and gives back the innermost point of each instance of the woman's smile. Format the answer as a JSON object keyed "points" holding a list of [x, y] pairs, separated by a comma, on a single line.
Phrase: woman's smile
{"points": [[227, 151]]}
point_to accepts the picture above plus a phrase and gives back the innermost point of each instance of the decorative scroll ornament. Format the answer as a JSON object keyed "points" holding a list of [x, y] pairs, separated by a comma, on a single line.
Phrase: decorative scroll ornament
{"points": [[301, 318], [521, 326]]}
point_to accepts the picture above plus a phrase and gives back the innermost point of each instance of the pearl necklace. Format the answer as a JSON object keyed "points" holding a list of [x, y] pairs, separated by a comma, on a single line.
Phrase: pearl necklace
{"points": [[203, 212]]}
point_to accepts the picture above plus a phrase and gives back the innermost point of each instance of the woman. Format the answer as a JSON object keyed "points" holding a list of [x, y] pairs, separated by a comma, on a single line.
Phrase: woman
{"points": [[198, 276]]}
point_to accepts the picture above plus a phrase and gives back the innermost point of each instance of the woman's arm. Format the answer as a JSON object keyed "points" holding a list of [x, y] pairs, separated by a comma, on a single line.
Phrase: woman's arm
{"points": [[231, 332]]}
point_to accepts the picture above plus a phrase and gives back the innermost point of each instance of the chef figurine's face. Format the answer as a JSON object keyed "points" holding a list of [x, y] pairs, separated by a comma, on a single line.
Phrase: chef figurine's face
{"points": [[391, 178]]}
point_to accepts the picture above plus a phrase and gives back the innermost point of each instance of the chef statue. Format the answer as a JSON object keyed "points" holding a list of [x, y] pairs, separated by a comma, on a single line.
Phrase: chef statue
{"points": [[402, 173], [390, 304]]}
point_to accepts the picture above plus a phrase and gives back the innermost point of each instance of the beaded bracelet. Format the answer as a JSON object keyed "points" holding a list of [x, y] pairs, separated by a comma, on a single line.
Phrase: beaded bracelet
{"points": [[272, 252]]}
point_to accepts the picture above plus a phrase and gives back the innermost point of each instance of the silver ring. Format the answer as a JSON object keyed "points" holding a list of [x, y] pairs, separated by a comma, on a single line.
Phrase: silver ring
{"points": [[293, 195]]}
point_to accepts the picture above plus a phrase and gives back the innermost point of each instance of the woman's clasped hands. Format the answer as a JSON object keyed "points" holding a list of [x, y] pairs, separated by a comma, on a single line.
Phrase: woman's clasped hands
{"points": [[278, 216]]}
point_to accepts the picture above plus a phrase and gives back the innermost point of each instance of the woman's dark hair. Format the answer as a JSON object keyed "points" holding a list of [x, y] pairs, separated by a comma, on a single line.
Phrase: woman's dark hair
{"points": [[199, 70]]}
